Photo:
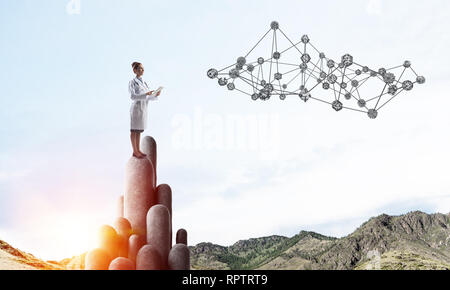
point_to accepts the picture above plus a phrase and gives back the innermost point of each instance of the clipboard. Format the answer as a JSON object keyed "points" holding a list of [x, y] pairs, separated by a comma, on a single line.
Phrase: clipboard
{"points": [[157, 91]]}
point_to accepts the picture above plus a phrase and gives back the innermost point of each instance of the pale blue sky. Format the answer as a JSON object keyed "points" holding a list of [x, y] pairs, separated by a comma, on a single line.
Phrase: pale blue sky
{"points": [[64, 119]]}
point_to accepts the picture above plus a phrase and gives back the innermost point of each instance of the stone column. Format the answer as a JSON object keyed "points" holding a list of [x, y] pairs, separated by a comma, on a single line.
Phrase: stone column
{"points": [[139, 193], [181, 237], [148, 146], [164, 197], [148, 258], [135, 243], [120, 206], [109, 241], [158, 226], [123, 229], [179, 257], [121, 263], [97, 259]]}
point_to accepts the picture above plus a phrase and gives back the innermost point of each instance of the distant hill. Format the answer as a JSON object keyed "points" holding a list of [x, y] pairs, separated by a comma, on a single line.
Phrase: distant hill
{"points": [[14, 259], [412, 241], [415, 240]]}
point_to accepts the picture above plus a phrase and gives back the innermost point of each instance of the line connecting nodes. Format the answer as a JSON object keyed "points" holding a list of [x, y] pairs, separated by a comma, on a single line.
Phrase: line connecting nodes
{"points": [[300, 68]]}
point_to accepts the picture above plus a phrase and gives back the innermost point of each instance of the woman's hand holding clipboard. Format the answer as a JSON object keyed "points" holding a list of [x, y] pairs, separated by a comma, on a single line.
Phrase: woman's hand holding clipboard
{"points": [[157, 92]]}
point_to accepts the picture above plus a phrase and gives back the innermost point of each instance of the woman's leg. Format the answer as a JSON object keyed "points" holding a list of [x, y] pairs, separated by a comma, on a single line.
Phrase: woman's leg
{"points": [[133, 142], [138, 142]]}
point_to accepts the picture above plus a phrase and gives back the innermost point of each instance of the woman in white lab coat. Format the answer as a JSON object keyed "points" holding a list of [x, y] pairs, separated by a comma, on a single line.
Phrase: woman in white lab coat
{"points": [[140, 94]]}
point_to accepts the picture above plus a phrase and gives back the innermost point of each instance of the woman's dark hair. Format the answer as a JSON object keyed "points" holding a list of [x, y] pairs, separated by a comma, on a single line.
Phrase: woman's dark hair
{"points": [[135, 64]]}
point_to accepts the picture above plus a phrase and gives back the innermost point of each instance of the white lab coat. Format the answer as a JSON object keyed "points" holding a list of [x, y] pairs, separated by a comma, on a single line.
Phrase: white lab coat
{"points": [[138, 88]]}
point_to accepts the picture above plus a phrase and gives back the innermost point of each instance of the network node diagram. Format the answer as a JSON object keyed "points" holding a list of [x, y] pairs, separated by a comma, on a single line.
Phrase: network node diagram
{"points": [[296, 69]]}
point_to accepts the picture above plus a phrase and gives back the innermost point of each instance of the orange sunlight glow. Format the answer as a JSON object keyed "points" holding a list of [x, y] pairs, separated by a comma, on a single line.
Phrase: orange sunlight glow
{"points": [[59, 235]]}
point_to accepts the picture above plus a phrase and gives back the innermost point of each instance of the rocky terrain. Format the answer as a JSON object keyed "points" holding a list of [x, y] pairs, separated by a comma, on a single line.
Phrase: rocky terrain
{"points": [[415, 240], [14, 259], [412, 241]]}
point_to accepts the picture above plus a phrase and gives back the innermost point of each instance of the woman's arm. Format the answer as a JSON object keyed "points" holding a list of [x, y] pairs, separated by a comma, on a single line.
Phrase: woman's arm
{"points": [[155, 96], [152, 98], [133, 95]]}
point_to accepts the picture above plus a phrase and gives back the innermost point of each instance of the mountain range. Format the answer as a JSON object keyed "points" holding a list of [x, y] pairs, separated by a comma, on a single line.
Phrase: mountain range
{"points": [[415, 240]]}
